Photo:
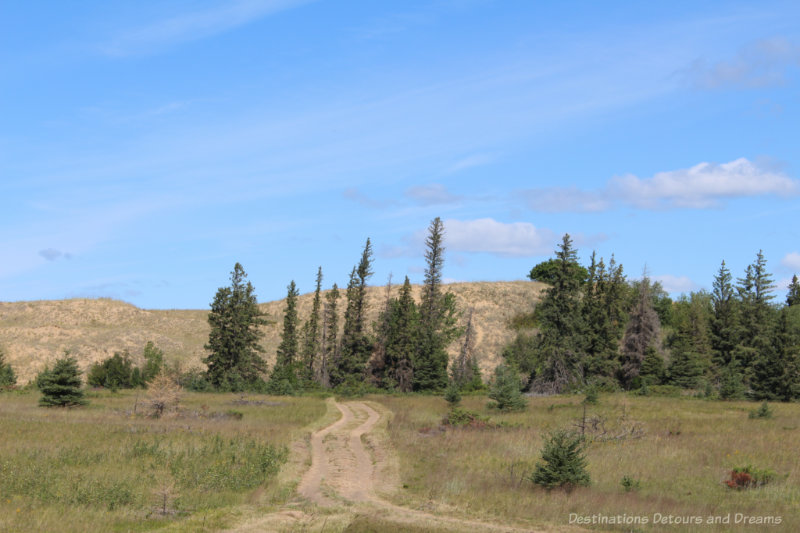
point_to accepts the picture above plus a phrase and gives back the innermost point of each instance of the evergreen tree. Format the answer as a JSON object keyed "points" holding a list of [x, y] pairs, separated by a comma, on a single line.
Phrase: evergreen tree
{"points": [[153, 362], [757, 314], [775, 374], [235, 362], [438, 316], [7, 376], [505, 390], [356, 345], [731, 386], [378, 363], [560, 343], [61, 386], [465, 373], [399, 331], [641, 333], [330, 333], [311, 333], [793, 296], [689, 341], [563, 463], [652, 370], [604, 316], [116, 372], [725, 328], [284, 375]]}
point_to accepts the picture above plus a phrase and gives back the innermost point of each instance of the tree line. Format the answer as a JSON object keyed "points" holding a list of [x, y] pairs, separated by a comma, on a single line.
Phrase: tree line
{"points": [[595, 327], [405, 349]]}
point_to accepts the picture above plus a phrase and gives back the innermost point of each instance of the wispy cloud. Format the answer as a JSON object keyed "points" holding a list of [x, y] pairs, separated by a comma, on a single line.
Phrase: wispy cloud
{"points": [[760, 64], [51, 254], [676, 284], [486, 235], [701, 186], [791, 261], [194, 25], [433, 194]]}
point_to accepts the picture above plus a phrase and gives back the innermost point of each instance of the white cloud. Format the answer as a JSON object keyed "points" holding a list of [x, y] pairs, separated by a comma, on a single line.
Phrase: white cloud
{"points": [[520, 239], [791, 261], [195, 25], [701, 186], [433, 194], [760, 64], [676, 284]]}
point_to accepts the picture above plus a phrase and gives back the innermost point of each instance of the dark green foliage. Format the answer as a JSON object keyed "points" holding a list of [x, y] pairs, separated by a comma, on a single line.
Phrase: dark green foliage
{"points": [[775, 372], [725, 328], [311, 336], [563, 462], [399, 334], [458, 417], [284, 374], [731, 386], [560, 344], [755, 292], [452, 394], [793, 296], [234, 360], [592, 395], [629, 484], [550, 272], [505, 390], [61, 386], [356, 344], [465, 371], [604, 315], [438, 317], [330, 336], [153, 362], [7, 376], [652, 371], [116, 372], [522, 354], [641, 333], [764, 411]]}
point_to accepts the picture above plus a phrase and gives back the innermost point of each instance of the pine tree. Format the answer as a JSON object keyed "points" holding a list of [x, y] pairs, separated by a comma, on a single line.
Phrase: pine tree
{"points": [[61, 386], [793, 296], [757, 314], [641, 333], [401, 338], [378, 364], [652, 370], [604, 316], [731, 386], [311, 334], [7, 376], [356, 345], [438, 316], [776, 370], [234, 362], [283, 379]]}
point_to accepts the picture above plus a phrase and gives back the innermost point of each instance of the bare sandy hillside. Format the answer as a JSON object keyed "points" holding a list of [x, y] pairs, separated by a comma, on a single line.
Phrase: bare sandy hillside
{"points": [[34, 334]]}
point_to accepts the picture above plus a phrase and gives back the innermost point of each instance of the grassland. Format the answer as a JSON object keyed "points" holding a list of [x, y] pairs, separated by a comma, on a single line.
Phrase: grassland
{"points": [[104, 468], [687, 451]]}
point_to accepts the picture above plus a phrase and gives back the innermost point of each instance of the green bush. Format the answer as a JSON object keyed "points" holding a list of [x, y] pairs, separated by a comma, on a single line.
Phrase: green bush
{"points": [[764, 411], [61, 386], [452, 395], [7, 376], [629, 483], [505, 390], [563, 462]]}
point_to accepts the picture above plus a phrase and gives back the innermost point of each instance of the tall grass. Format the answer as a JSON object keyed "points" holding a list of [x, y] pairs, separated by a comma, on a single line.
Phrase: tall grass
{"points": [[102, 467], [687, 452]]}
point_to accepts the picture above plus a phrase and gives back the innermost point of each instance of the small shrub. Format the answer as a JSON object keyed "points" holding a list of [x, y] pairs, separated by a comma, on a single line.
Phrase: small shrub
{"points": [[563, 462], [61, 386], [7, 376], [458, 417], [629, 483], [452, 395], [505, 390], [764, 411], [592, 395], [749, 477]]}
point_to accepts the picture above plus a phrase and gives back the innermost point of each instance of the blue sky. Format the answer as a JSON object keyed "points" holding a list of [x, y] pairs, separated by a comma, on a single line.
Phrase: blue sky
{"points": [[145, 147]]}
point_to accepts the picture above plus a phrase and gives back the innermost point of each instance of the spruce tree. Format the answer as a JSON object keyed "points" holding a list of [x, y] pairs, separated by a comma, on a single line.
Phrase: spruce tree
{"points": [[793, 296], [604, 316], [283, 379], [61, 386], [505, 390], [641, 333], [311, 334], [7, 376], [438, 316], [775, 372], [652, 370], [330, 336], [234, 360], [725, 328], [356, 344], [755, 291], [560, 343], [563, 462]]}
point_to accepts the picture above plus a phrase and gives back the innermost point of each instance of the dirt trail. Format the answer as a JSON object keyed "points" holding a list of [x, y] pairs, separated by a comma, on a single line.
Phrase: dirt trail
{"points": [[342, 469]]}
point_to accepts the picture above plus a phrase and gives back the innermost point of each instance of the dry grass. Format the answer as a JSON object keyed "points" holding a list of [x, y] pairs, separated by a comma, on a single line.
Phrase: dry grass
{"points": [[688, 450], [102, 468], [36, 333]]}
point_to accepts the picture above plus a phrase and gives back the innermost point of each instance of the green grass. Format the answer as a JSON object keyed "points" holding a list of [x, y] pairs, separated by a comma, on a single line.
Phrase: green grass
{"points": [[104, 468], [687, 451]]}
